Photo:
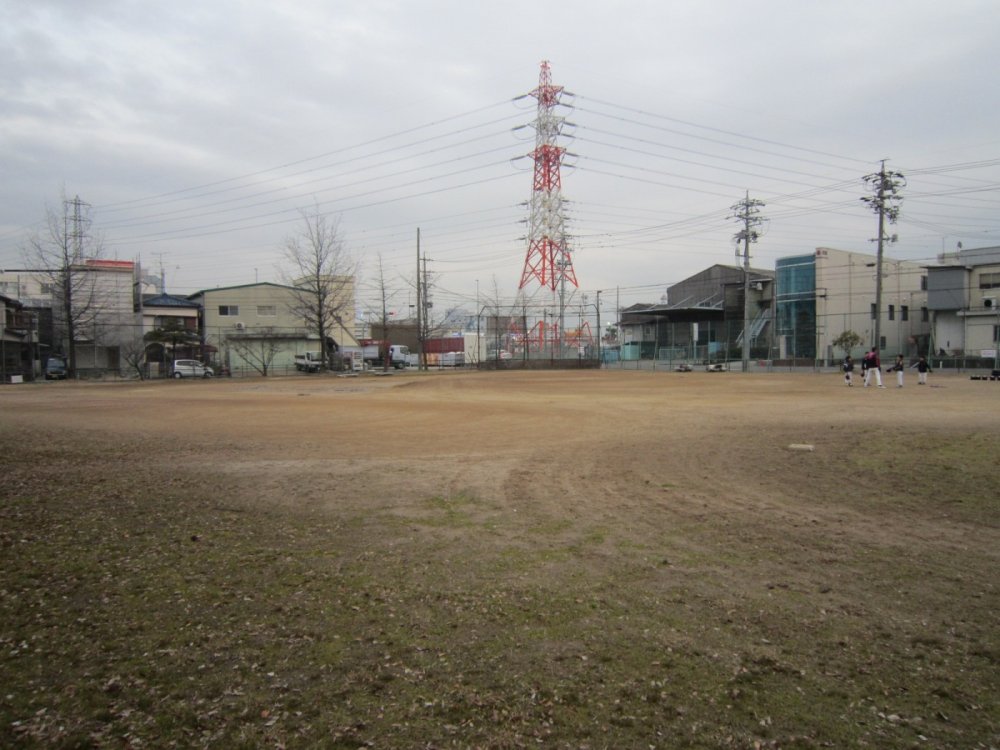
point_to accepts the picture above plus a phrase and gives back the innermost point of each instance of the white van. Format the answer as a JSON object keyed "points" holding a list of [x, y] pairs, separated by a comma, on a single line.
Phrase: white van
{"points": [[191, 368]]}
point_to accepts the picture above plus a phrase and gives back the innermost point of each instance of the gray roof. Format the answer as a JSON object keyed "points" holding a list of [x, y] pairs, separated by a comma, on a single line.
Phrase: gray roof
{"points": [[169, 300]]}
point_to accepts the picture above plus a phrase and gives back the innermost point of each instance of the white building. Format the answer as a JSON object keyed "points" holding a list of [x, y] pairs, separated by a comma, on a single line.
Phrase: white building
{"points": [[103, 310], [828, 292], [963, 296]]}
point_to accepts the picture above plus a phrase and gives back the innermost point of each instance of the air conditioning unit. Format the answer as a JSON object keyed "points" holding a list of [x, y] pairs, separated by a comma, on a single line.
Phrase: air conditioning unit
{"points": [[240, 326], [990, 303]]}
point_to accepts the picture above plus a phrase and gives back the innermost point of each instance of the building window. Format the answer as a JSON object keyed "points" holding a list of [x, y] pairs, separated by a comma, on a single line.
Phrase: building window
{"points": [[266, 311], [925, 314], [48, 288], [892, 312], [904, 312], [228, 310], [923, 283], [9, 288], [873, 311], [989, 281]]}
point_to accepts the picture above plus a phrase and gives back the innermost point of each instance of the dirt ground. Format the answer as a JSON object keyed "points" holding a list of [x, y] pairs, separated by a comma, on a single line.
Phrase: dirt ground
{"points": [[651, 559]]}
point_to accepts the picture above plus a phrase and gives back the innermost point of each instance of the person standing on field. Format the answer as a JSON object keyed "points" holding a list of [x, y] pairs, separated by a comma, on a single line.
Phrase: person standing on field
{"points": [[848, 369], [922, 369], [870, 364], [898, 369]]}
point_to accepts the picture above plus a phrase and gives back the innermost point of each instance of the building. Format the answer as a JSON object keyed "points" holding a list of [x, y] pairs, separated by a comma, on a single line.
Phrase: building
{"points": [[18, 342], [963, 294], [701, 318], [256, 326], [164, 313], [103, 311], [828, 292]]}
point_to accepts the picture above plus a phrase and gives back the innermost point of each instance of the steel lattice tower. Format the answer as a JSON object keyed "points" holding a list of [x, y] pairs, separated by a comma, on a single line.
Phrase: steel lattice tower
{"points": [[548, 259]]}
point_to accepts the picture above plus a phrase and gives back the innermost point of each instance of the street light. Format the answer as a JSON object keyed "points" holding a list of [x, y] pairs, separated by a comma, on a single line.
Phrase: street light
{"points": [[597, 308], [479, 345]]}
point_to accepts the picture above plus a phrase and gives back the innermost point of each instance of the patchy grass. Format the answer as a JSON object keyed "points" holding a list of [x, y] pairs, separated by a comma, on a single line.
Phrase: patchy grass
{"points": [[143, 603]]}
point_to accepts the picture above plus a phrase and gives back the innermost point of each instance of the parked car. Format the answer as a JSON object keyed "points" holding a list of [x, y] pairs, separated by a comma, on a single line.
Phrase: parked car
{"points": [[191, 368], [55, 369], [683, 367], [717, 367]]}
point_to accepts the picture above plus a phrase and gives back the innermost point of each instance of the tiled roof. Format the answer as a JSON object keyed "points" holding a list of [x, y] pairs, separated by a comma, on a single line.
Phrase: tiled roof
{"points": [[169, 300]]}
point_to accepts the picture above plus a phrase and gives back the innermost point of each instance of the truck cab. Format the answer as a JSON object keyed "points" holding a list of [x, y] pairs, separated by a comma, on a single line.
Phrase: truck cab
{"points": [[309, 362]]}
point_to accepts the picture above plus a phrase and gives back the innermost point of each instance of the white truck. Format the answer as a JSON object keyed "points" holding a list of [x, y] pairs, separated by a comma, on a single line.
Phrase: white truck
{"points": [[369, 354], [309, 362]]}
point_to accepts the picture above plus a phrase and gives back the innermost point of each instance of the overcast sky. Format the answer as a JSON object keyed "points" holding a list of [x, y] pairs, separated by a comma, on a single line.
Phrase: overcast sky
{"points": [[198, 131]]}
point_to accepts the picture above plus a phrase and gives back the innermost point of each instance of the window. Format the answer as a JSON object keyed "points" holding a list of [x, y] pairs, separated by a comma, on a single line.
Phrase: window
{"points": [[892, 312], [873, 311], [989, 281], [48, 288], [923, 283], [229, 310], [266, 311], [925, 314], [904, 312], [9, 288]]}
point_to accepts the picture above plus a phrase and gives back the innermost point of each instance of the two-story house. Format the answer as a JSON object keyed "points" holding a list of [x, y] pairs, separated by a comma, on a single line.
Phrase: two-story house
{"points": [[18, 341], [102, 310]]}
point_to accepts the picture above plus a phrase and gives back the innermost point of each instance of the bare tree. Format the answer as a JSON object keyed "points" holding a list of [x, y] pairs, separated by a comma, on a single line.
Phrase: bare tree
{"points": [[133, 353], [383, 313], [321, 272], [59, 253], [257, 349]]}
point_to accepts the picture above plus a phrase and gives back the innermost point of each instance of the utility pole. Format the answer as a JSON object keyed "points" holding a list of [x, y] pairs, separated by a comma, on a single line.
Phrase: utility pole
{"points": [[747, 214], [886, 203], [420, 293], [72, 256], [599, 332], [426, 316]]}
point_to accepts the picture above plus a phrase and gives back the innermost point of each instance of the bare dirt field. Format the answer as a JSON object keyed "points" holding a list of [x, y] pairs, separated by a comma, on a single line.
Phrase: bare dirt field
{"points": [[501, 560]]}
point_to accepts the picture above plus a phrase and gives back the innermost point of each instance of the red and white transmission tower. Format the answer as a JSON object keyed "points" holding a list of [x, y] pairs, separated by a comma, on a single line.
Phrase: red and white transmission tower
{"points": [[548, 258]]}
